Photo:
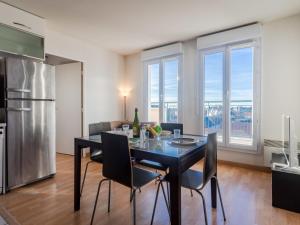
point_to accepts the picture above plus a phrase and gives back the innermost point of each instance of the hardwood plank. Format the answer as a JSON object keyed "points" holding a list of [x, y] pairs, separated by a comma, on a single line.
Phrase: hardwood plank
{"points": [[246, 196]]}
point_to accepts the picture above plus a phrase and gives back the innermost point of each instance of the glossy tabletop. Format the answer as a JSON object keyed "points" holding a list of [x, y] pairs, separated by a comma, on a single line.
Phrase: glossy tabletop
{"points": [[159, 145]]}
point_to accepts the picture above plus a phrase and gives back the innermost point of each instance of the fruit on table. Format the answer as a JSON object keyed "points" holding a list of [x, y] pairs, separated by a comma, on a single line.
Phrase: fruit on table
{"points": [[158, 129], [152, 131]]}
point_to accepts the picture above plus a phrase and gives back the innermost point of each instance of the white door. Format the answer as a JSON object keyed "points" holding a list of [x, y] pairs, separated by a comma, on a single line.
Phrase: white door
{"points": [[68, 106]]}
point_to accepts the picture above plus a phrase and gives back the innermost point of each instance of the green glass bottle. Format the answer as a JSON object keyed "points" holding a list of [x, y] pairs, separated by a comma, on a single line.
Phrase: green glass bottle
{"points": [[136, 125]]}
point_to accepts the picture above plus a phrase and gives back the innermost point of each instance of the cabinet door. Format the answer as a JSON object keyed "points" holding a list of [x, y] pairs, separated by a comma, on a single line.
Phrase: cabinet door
{"points": [[22, 20]]}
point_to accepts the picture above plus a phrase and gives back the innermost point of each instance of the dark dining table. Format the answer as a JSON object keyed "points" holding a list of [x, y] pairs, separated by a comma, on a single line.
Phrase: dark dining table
{"points": [[177, 157]]}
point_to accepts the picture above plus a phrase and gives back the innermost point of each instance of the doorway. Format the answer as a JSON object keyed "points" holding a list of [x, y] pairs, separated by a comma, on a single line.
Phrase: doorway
{"points": [[69, 102]]}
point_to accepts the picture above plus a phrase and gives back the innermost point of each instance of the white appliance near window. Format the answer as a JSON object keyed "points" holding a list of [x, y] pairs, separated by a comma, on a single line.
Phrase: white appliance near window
{"points": [[229, 93]]}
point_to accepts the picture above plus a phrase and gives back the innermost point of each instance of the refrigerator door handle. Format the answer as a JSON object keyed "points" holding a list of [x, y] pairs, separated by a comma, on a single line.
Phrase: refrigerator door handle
{"points": [[19, 109], [18, 90]]}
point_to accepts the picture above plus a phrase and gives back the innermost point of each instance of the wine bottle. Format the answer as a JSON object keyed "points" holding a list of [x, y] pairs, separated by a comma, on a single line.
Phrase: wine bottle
{"points": [[136, 124]]}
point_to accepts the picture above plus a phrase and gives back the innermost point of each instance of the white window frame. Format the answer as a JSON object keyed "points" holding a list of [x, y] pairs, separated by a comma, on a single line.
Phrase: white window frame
{"points": [[146, 91], [226, 145]]}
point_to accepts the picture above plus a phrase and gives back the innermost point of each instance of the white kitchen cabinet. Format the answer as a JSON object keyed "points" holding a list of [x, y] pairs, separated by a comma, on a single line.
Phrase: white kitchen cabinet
{"points": [[21, 20]]}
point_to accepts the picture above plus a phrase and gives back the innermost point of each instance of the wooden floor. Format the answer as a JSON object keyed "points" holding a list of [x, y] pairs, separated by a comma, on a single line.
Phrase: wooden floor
{"points": [[246, 195]]}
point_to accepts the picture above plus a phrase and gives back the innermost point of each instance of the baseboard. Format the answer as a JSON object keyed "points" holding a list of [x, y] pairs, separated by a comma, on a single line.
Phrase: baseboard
{"points": [[246, 166]]}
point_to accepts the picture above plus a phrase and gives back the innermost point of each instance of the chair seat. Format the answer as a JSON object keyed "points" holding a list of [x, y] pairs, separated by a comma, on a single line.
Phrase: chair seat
{"points": [[152, 164], [142, 177], [97, 156], [190, 179]]}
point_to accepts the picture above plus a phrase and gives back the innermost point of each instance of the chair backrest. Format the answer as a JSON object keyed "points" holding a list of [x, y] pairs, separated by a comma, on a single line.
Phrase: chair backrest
{"points": [[116, 158], [172, 126], [210, 159], [97, 128]]}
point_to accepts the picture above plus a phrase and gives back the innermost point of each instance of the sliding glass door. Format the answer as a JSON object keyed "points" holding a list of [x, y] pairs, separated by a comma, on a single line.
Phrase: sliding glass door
{"points": [[229, 106], [163, 88], [170, 90], [153, 91], [241, 96], [213, 62]]}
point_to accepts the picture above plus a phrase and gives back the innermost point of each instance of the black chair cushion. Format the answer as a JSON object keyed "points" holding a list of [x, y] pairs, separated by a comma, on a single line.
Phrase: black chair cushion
{"points": [[142, 177], [190, 179], [152, 164], [97, 156]]}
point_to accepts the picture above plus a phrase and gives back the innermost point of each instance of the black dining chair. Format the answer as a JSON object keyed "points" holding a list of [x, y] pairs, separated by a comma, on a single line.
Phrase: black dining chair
{"points": [[95, 154], [196, 180], [156, 165], [172, 126], [118, 167]]}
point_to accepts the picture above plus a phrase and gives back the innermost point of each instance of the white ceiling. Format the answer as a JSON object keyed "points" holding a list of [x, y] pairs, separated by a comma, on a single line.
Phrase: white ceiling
{"points": [[127, 26]]}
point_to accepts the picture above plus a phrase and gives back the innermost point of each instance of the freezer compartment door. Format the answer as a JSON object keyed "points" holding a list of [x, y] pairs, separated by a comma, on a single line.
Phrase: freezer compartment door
{"points": [[30, 141], [29, 79]]}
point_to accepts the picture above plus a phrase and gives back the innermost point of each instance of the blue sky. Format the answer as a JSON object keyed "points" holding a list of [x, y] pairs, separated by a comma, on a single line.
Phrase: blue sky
{"points": [[241, 77], [170, 81]]}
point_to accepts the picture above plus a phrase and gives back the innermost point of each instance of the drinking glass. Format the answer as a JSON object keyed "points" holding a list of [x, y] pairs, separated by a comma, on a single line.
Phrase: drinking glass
{"points": [[126, 129], [176, 133], [147, 135], [117, 130]]}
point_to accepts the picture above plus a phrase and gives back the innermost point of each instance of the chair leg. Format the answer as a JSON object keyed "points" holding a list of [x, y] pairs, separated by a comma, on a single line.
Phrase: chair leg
{"points": [[86, 167], [155, 202], [134, 207], [168, 192], [109, 194], [95, 206], [131, 194], [168, 188], [220, 196], [204, 206], [166, 201]]}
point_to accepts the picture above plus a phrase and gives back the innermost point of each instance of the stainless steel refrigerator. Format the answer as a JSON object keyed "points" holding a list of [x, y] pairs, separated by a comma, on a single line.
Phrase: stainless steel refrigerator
{"points": [[29, 102]]}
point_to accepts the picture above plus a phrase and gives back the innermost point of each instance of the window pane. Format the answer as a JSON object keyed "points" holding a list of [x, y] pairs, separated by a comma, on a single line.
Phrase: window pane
{"points": [[213, 94], [170, 110], [241, 96], [153, 76]]}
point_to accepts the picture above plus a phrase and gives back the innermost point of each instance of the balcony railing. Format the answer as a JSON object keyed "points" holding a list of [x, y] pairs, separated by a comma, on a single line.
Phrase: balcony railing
{"points": [[170, 111], [240, 126], [241, 113]]}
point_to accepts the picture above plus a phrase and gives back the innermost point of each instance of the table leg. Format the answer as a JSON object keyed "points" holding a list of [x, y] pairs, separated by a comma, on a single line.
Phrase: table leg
{"points": [[175, 195], [77, 176], [214, 192]]}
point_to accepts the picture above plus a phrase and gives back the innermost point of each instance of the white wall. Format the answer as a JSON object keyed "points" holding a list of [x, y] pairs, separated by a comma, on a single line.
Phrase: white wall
{"points": [[280, 83], [281, 75], [103, 76], [134, 82]]}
